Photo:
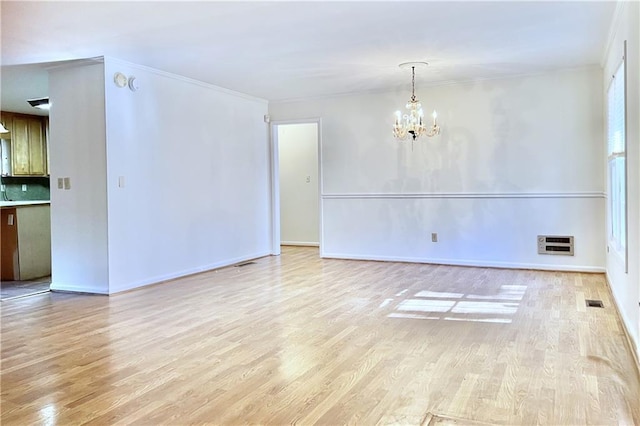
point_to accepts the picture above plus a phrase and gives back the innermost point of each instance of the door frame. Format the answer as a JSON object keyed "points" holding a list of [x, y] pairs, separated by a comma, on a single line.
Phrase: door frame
{"points": [[275, 181]]}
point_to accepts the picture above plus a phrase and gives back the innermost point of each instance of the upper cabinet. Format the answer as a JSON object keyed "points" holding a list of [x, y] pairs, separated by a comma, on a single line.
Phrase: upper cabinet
{"points": [[28, 144], [6, 118]]}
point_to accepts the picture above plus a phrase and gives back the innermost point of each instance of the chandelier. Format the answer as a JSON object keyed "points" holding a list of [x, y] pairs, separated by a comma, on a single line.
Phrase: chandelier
{"points": [[412, 123]]}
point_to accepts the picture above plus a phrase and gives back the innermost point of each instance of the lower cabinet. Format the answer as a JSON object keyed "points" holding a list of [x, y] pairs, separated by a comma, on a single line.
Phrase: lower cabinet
{"points": [[26, 242]]}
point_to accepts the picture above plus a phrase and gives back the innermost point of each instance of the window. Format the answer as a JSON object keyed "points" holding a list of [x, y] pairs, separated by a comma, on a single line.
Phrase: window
{"points": [[616, 160]]}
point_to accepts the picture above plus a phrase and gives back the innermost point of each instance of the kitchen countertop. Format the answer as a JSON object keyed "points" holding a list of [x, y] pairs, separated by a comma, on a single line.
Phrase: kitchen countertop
{"points": [[23, 203]]}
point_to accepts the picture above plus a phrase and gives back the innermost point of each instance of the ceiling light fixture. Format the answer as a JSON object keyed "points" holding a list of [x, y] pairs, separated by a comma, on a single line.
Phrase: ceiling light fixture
{"points": [[41, 103], [413, 122]]}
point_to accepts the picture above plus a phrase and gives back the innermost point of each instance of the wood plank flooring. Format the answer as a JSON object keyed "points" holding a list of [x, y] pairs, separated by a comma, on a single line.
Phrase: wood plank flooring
{"points": [[15, 289], [299, 339]]}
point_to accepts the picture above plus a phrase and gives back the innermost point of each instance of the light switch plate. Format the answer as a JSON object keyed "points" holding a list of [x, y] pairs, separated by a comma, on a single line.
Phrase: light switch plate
{"points": [[120, 181], [2, 188], [24, 187], [67, 183], [60, 183]]}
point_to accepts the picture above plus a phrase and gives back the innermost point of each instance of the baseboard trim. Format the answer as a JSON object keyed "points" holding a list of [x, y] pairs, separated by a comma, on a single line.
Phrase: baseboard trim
{"points": [[65, 288], [467, 262], [628, 338], [299, 243], [158, 279]]}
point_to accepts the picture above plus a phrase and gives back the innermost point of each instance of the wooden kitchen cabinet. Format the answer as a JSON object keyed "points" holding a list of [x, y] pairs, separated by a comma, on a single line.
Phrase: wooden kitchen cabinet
{"points": [[46, 141], [7, 120], [26, 242], [9, 266], [28, 146]]}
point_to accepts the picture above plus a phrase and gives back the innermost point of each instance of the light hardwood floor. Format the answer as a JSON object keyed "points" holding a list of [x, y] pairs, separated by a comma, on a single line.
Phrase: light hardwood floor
{"points": [[298, 339]]}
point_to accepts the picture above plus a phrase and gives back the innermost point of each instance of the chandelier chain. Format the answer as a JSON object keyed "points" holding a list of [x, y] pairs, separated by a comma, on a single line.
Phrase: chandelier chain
{"points": [[413, 84]]}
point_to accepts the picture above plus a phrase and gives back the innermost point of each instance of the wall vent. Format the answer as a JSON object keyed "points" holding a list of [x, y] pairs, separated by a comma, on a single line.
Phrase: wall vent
{"points": [[591, 303], [555, 244]]}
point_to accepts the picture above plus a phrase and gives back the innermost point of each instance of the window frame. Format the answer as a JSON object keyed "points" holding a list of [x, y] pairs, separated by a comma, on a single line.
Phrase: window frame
{"points": [[617, 220]]}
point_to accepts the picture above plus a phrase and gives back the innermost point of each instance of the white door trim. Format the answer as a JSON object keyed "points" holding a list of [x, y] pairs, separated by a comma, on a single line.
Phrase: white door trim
{"points": [[275, 187]]}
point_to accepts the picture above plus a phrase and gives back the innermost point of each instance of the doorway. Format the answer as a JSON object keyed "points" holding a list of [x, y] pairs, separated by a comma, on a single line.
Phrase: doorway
{"points": [[296, 184]]}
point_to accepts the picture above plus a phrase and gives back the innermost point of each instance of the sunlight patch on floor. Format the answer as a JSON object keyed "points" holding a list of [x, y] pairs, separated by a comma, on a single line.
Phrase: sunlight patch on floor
{"points": [[450, 306]]}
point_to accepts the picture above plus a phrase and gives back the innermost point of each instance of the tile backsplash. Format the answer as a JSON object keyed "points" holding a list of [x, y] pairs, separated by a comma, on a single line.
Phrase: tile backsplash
{"points": [[37, 188]]}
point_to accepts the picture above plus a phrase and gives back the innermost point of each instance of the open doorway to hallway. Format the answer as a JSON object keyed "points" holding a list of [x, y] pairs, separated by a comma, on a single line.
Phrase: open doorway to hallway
{"points": [[296, 184]]}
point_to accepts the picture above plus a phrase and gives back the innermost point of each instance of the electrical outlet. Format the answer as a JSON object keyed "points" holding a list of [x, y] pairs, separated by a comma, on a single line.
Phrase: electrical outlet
{"points": [[434, 237], [24, 187], [60, 183]]}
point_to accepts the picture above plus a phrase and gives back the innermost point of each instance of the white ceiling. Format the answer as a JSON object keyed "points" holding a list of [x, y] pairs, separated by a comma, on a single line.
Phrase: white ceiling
{"points": [[287, 50]]}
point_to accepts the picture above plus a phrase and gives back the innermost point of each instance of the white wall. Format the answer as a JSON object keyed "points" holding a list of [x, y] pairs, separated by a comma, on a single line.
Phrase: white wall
{"points": [[169, 180], [299, 190], [626, 286], [77, 150], [195, 162], [516, 158]]}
